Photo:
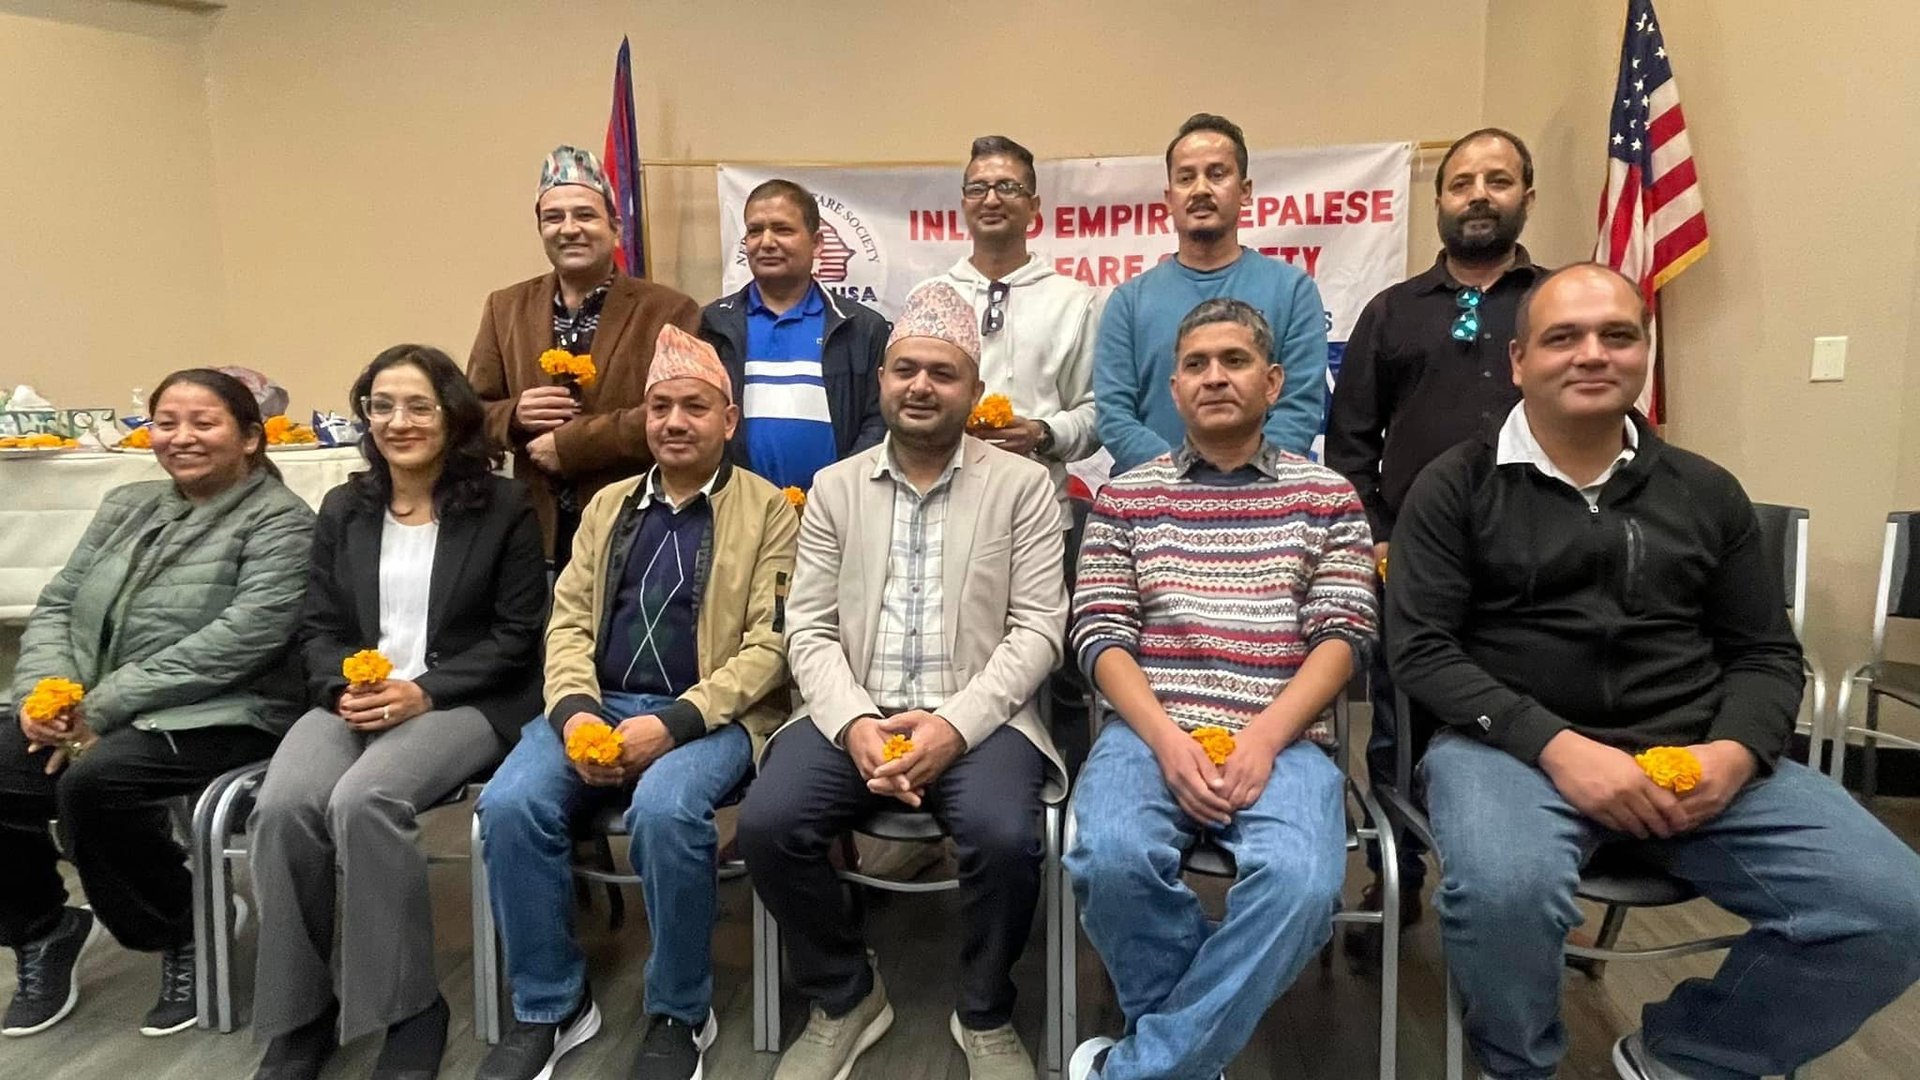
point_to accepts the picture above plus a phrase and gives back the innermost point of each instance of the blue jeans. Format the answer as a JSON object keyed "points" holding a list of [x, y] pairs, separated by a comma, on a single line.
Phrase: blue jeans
{"points": [[527, 813], [1192, 992], [1832, 897]]}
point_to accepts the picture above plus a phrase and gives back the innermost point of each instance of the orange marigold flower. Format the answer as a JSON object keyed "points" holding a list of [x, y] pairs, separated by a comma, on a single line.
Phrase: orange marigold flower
{"points": [[594, 744], [1671, 767], [366, 667], [51, 698], [282, 431], [896, 747], [40, 440], [1382, 568], [994, 411], [795, 497], [564, 366], [1216, 741], [140, 438]]}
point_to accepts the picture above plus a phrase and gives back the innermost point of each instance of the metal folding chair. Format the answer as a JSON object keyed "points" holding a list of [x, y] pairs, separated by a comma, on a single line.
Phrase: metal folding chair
{"points": [[219, 821], [1613, 877], [1897, 597]]}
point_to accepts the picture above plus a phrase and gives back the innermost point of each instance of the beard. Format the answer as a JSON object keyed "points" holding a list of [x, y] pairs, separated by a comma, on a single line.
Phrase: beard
{"points": [[1494, 243]]}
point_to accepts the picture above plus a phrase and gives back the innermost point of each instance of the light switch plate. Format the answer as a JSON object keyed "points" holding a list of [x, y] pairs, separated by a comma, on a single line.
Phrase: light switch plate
{"points": [[1829, 359]]}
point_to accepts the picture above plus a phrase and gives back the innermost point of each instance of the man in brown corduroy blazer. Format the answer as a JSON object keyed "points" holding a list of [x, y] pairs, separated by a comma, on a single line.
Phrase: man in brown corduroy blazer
{"points": [[567, 443]]}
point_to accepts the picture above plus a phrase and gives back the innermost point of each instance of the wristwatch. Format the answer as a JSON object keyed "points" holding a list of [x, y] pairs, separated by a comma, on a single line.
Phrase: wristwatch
{"points": [[1045, 445]]}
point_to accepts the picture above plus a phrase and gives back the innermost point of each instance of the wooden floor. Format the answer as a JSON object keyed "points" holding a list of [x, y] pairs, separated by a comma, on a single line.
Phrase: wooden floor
{"points": [[1323, 1029]]}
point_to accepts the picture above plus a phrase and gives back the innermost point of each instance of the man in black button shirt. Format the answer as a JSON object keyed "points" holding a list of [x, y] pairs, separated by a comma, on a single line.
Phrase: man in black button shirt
{"points": [[1426, 368]]}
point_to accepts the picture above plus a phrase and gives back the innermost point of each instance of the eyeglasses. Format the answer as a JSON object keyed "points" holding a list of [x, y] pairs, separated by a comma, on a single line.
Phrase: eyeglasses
{"points": [[975, 190], [1467, 326], [992, 319], [417, 410]]}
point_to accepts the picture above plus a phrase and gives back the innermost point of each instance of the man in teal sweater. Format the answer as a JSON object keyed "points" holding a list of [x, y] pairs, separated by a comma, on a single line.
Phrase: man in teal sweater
{"points": [[1207, 188]]}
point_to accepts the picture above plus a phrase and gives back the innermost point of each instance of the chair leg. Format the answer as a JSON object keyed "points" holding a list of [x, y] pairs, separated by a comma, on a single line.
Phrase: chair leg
{"points": [[1069, 958], [616, 903], [1456, 1030], [1390, 885], [486, 944], [220, 909], [1870, 750], [200, 865], [1611, 923], [1053, 1052], [766, 979]]}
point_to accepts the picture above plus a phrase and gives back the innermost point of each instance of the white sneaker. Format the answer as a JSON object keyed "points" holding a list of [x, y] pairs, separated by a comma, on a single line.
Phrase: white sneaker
{"points": [[1080, 1066], [1632, 1061]]}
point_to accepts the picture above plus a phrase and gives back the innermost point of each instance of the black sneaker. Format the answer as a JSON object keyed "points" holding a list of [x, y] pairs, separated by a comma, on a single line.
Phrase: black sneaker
{"points": [[300, 1054], [672, 1050], [48, 983], [176, 1010], [530, 1051]]}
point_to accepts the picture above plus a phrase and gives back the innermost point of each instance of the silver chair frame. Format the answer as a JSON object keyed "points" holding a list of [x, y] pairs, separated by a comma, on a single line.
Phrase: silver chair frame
{"points": [[1894, 552], [214, 848]]}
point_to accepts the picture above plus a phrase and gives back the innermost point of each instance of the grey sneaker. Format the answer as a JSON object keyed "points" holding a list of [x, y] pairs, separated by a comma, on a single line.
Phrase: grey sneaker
{"points": [[1633, 1061], [830, 1045], [995, 1054]]}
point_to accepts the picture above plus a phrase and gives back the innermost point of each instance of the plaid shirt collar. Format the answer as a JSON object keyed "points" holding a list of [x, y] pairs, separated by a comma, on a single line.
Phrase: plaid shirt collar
{"points": [[1266, 460], [887, 467], [590, 304]]}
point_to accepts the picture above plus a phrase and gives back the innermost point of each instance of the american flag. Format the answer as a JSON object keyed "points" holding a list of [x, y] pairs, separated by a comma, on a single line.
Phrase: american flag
{"points": [[1652, 222]]}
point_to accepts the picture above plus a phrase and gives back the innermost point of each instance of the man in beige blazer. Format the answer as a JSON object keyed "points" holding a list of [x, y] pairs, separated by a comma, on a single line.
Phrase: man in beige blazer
{"points": [[927, 602]]}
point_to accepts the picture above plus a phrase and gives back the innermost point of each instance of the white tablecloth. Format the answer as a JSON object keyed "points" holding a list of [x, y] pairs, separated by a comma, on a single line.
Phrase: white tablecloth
{"points": [[47, 502]]}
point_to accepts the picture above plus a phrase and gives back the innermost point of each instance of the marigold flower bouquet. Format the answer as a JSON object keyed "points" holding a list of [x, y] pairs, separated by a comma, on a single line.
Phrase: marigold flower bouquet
{"points": [[366, 668], [41, 440], [994, 411], [282, 431], [896, 747], [576, 373], [594, 744], [51, 699], [1216, 741], [1671, 767], [795, 497]]}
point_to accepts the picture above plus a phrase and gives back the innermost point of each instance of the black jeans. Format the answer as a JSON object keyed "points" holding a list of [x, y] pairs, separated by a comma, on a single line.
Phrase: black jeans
{"points": [[808, 793], [111, 805], [1382, 762]]}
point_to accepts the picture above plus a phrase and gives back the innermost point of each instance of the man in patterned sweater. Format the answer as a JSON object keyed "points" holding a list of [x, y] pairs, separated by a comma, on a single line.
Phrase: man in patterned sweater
{"points": [[1228, 584]]}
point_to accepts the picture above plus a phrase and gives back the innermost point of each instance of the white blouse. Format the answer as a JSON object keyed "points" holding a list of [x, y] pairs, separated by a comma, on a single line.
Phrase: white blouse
{"points": [[406, 573]]}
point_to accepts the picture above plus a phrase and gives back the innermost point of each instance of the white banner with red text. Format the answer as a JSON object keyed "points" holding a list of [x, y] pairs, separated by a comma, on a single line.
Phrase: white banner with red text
{"points": [[1337, 212]]}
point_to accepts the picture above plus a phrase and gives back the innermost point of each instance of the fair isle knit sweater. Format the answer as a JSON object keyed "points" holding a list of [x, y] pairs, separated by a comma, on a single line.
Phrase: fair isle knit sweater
{"points": [[1220, 584]]}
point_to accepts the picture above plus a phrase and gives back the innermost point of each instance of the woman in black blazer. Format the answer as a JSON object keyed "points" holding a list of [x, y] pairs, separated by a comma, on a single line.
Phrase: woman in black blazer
{"points": [[435, 561]]}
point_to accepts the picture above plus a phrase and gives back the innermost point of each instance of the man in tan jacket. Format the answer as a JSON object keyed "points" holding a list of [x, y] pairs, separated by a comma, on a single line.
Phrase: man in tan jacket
{"points": [[666, 629], [928, 603], [569, 441]]}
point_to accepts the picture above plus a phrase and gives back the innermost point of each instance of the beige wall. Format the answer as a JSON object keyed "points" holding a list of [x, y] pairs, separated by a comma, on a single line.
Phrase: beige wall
{"points": [[296, 184], [110, 244], [376, 161]]}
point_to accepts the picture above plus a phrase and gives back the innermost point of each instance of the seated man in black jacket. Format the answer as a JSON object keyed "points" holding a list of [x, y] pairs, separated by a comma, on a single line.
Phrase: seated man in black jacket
{"points": [[1570, 591]]}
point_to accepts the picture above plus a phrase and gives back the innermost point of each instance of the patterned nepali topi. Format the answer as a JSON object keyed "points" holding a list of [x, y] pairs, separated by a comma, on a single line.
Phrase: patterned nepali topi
{"points": [[937, 310], [572, 165], [679, 355]]}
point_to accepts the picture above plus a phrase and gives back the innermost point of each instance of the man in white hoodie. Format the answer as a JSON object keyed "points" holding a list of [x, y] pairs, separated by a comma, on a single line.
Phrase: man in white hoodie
{"points": [[1037, 328]]}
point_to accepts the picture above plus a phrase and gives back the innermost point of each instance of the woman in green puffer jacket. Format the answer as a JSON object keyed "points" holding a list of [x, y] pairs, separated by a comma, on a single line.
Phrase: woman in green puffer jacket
{"points": [[175, 613]]}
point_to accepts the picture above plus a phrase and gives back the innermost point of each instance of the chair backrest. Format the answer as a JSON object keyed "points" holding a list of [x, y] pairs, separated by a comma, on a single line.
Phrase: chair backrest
{"points": [[1783, 537], [1899, 593]]}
